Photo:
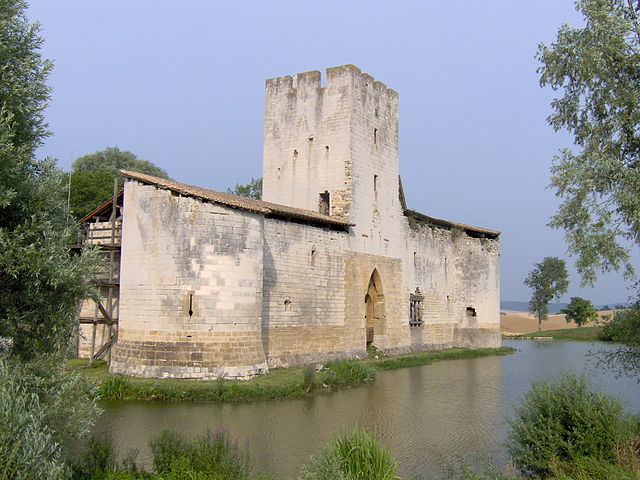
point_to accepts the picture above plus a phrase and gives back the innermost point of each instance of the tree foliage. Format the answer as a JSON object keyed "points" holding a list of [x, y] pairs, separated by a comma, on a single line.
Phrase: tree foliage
{"points": [[597, 69], [624, 328], [579, 311], [42, 411], [253, 189], [548, 280], [93, 175], [40, 282], [565, 422]]}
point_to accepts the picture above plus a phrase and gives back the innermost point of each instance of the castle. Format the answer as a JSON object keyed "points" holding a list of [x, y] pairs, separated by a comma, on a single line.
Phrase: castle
{"points": [[331, 260]]}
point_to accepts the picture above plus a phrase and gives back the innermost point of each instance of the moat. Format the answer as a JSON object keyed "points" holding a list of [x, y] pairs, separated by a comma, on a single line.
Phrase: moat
{"points": [[425, 414]]}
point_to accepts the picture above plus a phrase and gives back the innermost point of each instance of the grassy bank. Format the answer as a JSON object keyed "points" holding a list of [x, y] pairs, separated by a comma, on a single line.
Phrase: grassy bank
{"points": [[291, 382], [424, 358], [588, 334]]}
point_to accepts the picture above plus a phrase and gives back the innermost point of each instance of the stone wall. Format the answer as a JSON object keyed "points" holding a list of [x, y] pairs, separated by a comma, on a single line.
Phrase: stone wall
{"points": [[191, 288], [303, 316], [342, 139], [458, 276]]}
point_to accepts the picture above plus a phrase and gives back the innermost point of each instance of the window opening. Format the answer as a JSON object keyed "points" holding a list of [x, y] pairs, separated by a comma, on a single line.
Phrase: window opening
{"points": [[415, 308], [323, 204], [375, 183], [287, 305], [471, 312], [191, 305], [375, 136], [313, 257]]}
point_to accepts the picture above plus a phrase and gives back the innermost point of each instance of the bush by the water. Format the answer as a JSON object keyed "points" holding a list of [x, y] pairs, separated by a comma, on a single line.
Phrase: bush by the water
{"points": [[563, 423], [211, 455], [348, 373], [116, 387], [354, 456], [42, 409], [624, 327]]}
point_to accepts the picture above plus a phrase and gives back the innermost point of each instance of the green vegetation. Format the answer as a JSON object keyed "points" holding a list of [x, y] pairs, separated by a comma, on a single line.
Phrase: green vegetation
{"points": [[40, 282], [291, 382], [253, 189], [624, 328], [548, 280], [564, 426], [587, 334], [579, 311], [92, 177], [42, 410], [354, 456], [595, 69], [424, 358]]}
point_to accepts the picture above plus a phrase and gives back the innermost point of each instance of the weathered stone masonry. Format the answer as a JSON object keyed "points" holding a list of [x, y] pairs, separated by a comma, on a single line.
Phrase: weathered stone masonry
{"points": [[213, 285]]}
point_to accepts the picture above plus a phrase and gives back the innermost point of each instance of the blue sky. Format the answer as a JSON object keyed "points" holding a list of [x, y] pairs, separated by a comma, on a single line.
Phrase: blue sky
{"points": [[181, 84]]}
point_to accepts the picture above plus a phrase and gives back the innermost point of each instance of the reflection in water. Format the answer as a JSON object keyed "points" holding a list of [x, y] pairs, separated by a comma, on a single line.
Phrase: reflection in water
{"points": [[424, 414]]}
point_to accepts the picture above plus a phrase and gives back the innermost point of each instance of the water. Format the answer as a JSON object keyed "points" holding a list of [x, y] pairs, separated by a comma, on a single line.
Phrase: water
{"points": [[424, 414]]}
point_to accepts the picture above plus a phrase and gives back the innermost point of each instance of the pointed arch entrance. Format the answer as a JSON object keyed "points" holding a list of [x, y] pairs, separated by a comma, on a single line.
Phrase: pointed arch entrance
{"points": [[374, 304]]}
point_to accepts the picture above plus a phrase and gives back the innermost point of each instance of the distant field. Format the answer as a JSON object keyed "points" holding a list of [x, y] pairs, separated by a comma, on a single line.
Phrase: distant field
{"points": [[514, 322], [582, 334]]}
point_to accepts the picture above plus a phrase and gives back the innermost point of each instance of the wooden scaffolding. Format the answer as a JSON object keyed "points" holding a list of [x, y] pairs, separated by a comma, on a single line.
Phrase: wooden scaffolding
{"points": [[98, 318]]}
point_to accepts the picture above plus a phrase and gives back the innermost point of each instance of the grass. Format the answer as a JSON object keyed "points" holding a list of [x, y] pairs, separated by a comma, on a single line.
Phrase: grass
{"points": [[586, 334], [424, 358], [293, 382]]}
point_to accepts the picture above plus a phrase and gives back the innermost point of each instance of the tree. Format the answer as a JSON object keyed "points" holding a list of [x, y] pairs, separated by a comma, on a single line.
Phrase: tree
{"points": [[40, 282], [549, 280], [580, 311], [253, 189], [597, 69], [92, 177]]}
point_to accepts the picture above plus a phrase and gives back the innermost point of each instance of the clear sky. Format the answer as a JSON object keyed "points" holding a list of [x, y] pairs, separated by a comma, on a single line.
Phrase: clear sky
{"points": [[181, 84]]}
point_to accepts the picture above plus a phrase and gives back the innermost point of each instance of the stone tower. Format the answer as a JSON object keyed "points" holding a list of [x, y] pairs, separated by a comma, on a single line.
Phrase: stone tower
{"points": [[334, 149]]}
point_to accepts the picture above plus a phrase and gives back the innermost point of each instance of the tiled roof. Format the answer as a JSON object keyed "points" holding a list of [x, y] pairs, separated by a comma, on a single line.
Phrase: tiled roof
{"points": [[103, 209], [448, 224], [237, 201]]}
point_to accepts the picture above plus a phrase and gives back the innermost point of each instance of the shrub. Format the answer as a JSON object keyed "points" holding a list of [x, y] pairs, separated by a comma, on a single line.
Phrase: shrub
{"points": [[97, 460], [459, 469], [211, 455], [309, 380], [166, 448], [354, 456], [563, 421], [589, 468], [623, 328], [42, 409], [116, 387], [345, 373]]}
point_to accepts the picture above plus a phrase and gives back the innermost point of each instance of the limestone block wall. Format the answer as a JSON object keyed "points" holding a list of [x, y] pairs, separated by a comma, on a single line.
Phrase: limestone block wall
{"points": [[306, 141], [304, 296], [341, 138], [375, 208], [458, 276], [389, 332], [191, 288]]}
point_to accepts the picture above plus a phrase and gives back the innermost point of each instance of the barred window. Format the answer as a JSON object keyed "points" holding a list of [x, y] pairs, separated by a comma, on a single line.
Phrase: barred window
{"points": [[415, 309]]}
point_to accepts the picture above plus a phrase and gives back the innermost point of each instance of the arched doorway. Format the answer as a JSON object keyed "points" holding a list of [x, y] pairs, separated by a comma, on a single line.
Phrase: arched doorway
{"points": [[374, 304]]}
